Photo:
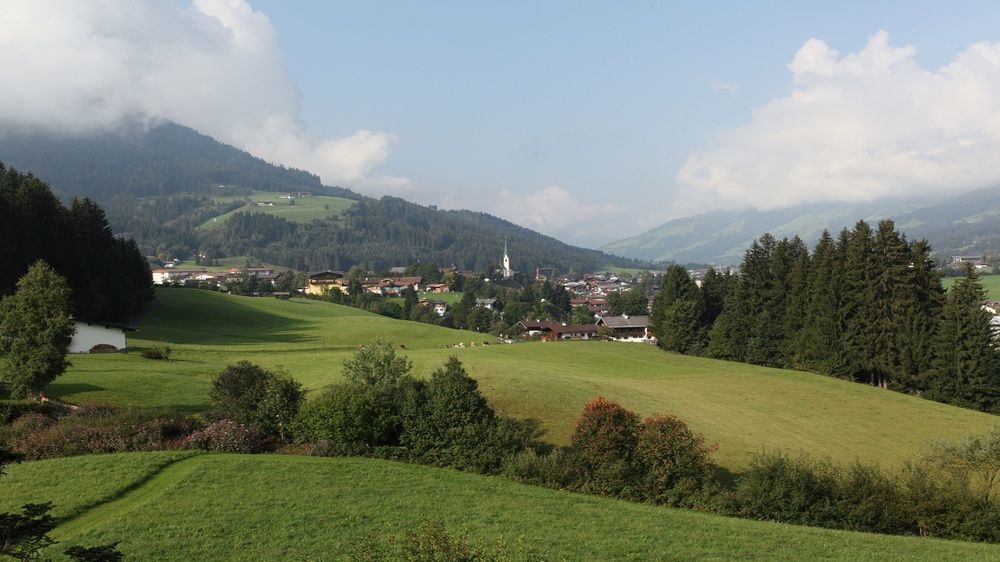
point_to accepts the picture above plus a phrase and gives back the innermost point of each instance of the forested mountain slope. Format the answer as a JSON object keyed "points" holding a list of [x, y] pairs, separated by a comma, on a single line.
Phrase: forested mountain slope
{"points": [[159, 183]]}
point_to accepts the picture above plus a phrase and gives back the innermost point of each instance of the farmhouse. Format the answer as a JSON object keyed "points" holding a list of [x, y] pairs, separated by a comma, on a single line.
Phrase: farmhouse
{"points": [[323, 281], [167, 275], [91, 334], [559, 331], [486, 303], [436, 288], [627, 328], [439, 307]]}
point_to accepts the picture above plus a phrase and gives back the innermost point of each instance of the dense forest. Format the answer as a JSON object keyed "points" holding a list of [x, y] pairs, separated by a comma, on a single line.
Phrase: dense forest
{"points": [[157, 183], [109, 276], [867, 306]]}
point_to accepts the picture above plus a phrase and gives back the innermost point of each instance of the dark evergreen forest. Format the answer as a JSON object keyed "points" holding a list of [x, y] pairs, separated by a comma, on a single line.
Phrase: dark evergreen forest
{"points": [[109, 276], [867, 306]]}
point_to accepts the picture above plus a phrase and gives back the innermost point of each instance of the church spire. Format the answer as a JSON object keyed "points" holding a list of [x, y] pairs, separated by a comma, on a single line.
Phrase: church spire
{"points": [[507, 273]]}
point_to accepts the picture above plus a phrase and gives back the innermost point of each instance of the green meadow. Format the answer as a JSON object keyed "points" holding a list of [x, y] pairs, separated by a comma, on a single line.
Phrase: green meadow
{"points": [[990, 282], [276, 507], [742, 408], [305, 209]]}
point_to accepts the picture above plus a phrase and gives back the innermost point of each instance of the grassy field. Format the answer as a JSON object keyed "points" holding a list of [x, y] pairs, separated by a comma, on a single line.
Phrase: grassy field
{"points": [[450, 298], [240, 507], [305, 209], [227, 263], [743, 408], [990, 282]]}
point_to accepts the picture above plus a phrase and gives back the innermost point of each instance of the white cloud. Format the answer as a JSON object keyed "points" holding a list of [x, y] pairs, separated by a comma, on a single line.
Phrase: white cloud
{"points": [[859, 127], [555, 211], [215, 65]]}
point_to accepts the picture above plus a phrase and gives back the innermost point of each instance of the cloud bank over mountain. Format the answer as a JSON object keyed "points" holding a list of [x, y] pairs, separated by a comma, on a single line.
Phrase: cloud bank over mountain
{"points": [[215, 66], [859, 127]]}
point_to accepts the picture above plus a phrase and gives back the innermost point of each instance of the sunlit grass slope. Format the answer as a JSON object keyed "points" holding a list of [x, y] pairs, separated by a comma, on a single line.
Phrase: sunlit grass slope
{"points": [[237, 507], [305, 209], [741, 407]]}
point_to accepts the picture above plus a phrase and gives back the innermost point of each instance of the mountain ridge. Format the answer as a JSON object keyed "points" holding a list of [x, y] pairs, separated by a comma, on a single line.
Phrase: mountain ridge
{"points": [[158, 184]]}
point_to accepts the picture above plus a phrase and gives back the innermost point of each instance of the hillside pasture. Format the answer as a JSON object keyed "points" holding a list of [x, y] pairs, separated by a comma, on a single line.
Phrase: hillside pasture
{"points": [[305, 209], [990, 282], [274, 507], [743, 408]]}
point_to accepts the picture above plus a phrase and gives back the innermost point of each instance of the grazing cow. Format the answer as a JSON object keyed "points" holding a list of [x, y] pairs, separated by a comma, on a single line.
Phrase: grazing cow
{"points": [[472, 344], [486, 343]]}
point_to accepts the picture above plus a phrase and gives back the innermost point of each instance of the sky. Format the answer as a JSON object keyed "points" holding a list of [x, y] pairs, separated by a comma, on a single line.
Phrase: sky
{"points": [[588, 121]]}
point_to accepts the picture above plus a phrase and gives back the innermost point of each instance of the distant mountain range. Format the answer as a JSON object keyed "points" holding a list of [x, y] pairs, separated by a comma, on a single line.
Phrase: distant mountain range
{"points": [[969, 223], [160, 183]]}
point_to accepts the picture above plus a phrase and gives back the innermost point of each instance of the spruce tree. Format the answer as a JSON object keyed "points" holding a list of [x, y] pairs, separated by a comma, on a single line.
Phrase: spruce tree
{"points": [[35, 331], [819, 341], [920, 310], [964, 365], [857, 305]]}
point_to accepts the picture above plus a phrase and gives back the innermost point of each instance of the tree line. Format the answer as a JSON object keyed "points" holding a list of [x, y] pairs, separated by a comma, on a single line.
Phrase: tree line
{"points": [[867, 306], [108, 276]]}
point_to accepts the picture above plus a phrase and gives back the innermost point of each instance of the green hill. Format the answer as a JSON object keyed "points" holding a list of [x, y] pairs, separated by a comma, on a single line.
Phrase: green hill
{"points": [[166, 506], [304, 209], [160, 182], [741, 407]]}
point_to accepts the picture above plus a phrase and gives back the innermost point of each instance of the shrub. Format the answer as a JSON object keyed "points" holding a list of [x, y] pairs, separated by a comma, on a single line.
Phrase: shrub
{"points": [[95, 429], [227, 436], [604, 444], [255, 397], [327, 448], [156, 352], [779, 488], [377, 364], [449, 423], [553, 470], [352, 413], [671, 454]]}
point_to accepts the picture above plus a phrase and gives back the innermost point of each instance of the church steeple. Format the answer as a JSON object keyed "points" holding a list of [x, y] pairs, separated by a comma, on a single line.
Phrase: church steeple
{"points": [[507, 273]]}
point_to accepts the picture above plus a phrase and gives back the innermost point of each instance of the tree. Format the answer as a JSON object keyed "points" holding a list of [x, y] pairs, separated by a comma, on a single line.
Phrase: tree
{"points": [[581, 315], [604, 444], [377, 364], [253, 396], [965, 364], [35, 331], [627, 303]]}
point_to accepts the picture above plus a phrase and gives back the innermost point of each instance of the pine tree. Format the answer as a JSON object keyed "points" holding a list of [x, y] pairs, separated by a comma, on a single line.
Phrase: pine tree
{"points": [[35, 331], [857, 306], [891, 295], [964, 365], [818, 343], [919, 311], [677, 285]]}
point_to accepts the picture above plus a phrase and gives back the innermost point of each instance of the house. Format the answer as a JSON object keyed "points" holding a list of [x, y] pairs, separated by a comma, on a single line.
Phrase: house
{"points": [[536, 327], [397, 270], [627, 328], [562, 331], [436, 288], [439, 307], [486, 303], [91, 334], [320, 282], [165, 275], [993, 307]]}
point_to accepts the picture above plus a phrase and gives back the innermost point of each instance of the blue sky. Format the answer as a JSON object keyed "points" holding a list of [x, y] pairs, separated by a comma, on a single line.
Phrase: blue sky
{"points": [[590, 121]]}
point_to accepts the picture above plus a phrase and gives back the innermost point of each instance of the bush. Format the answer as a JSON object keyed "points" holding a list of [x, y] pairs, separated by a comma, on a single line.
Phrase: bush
{"points": [[95, 429], [255, 397], [226, 436], [327, 448], [156, 352], [604, 445], [553, 470], [670, 455], [449, 423], [353, 413]]}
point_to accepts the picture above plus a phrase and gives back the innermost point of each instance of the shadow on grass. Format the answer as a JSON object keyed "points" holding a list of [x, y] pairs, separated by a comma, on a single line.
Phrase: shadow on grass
{"points": [[193, 316], [64, 388], [725, 477]]}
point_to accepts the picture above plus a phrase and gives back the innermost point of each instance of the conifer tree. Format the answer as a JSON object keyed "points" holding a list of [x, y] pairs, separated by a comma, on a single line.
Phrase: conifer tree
{"points": [[819, 342], [857, 305], [919, 312], [964, 365]]}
